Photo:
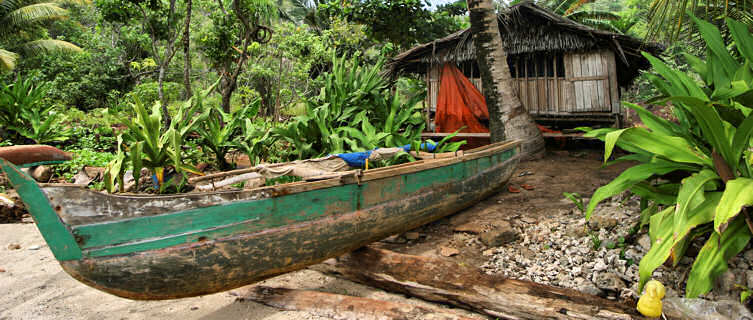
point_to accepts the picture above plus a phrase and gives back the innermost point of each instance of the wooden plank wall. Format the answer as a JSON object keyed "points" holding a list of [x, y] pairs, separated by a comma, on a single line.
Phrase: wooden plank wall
{"points": [[589, 85], [593, 83]]}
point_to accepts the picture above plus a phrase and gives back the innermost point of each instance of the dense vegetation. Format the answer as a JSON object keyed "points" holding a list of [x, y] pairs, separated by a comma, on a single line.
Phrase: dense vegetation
{"points": [[167, 84], [708, 149]]}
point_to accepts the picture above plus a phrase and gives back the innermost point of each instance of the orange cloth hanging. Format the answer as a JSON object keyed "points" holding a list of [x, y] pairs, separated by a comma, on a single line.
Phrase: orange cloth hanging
{"points": [[459, 103]]}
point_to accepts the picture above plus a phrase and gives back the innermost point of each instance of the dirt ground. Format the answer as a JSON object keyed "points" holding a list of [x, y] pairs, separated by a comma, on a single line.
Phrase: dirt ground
{"points": [[33, 286]]}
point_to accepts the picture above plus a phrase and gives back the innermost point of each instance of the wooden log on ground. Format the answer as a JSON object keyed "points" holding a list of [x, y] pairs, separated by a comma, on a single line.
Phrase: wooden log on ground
{"points": [[444, 281], [338, 306], [27, 154]]}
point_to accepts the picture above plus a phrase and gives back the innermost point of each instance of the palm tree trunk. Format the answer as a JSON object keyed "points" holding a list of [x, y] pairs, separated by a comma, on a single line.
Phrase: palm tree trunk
{"points": [[186, 52], [508, 120]]}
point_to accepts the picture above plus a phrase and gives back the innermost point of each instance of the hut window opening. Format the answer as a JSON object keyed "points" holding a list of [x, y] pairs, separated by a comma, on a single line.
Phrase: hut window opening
{"points": [[538, 65]]}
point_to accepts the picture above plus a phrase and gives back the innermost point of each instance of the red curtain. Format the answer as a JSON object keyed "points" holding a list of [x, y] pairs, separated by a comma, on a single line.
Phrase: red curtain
{"points": [[459, 103]]}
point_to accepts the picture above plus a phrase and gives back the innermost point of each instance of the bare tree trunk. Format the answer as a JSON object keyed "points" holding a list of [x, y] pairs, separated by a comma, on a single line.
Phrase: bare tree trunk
{"points": [[508, 120], [161, 93], [186, 52], [447, 282], [338, 306], [163, 61]]}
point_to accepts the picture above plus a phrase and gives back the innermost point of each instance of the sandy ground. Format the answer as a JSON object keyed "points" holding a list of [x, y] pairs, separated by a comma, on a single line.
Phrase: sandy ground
{"points": [[33, 286]]}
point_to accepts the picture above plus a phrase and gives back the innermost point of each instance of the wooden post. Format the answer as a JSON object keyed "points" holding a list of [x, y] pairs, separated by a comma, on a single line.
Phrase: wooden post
{"points": [[614, 89], [556, 86]]}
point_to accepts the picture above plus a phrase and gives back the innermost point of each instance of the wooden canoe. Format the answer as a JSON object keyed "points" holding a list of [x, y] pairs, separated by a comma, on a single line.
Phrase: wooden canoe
{"points": [[173, 246]]}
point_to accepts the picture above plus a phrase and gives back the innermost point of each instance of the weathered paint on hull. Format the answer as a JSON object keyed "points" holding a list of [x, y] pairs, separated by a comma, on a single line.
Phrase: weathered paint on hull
{"points": [[222, 264]]}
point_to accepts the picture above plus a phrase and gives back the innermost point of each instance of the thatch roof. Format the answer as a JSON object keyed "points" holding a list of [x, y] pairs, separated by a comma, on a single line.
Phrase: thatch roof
{"points": [[529, 28]]}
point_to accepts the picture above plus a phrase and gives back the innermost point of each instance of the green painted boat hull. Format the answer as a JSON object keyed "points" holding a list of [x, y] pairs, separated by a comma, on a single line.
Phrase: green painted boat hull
{"points": [[210, 249]]}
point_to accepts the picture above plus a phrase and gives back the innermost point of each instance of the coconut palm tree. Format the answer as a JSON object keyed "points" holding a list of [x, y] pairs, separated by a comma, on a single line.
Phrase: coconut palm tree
{"points": [[577, 11], [667, 19], [508, 120], [19, 23]]}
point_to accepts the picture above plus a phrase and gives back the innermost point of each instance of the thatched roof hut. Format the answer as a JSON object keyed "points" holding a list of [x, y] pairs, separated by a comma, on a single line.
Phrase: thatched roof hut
{"points": [[549, 55]]}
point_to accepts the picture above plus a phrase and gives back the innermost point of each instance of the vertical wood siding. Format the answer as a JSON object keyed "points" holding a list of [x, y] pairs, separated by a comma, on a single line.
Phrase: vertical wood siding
{"points": [[588, 85]]}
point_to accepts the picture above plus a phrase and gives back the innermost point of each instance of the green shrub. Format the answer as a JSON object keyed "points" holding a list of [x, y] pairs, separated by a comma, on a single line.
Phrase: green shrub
{"points": [[149, 91], [222, 132], [709, 146], [81, 158], [23, 115], [148, 144], [354, 112]]}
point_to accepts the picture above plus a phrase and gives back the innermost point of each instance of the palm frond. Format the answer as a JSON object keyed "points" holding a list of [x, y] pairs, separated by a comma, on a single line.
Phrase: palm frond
{"points": [[31, 14], [39, 47], [576, 5], [667, 19], [7, 60], [592, 14], [601, 25], [9, 5]]}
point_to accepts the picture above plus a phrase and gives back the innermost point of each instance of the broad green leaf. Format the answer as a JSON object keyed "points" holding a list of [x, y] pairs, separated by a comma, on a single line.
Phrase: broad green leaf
{"points": [[742, 137], [665, 242], [673, 148], [661, 245], [737, 194], [657, 195], [715, 44], [698, 65], [712, 127], [653, 122], [675, 85], [610, 139], [690, 195], [647, 213], [743, 40], [736, 88], [712, 259], [630, 177]]}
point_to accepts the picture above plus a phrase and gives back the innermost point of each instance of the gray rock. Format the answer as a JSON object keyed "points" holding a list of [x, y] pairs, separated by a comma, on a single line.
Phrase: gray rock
{"points": [[749, 278], [645, 242], [725, 284], [41, 173], [473, 227], [81, 178], [502, 233], [576, 231], [528, 220], [600, 265], [609, 281], [603, 222], [748, 255], [589, 288], [396, 239]]}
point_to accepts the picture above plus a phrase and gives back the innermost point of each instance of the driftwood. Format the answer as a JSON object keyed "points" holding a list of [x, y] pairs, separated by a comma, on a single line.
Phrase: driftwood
{"points": [[444, 281], [229, 181], [338, 306]]}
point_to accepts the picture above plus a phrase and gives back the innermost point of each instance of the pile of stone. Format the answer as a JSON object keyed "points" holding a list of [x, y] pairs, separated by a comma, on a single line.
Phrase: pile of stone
{"points": [[601, 257]]}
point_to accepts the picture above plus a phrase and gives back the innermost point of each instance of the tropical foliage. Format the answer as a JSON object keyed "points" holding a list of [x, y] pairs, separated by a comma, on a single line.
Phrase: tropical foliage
{"points": [[668, 20], [23, 116], [696, 174], [149, 143], [22, 34], [353, 112]]}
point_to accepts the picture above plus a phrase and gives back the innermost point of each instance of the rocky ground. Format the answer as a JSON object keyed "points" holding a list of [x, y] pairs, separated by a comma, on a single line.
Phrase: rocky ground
{"points": [[535, 235]]}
